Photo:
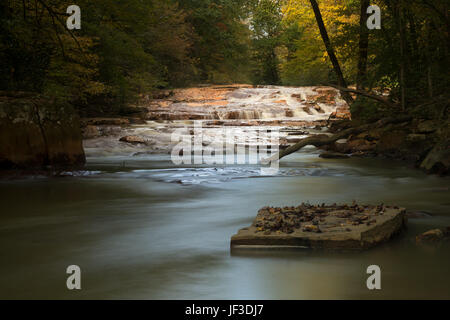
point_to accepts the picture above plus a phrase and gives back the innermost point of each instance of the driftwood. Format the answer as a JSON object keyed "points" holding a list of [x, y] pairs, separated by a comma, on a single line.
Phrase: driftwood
{"points": [[323, 139]]}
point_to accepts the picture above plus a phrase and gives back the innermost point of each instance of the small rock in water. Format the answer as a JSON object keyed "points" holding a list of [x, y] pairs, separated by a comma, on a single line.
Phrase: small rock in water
{"points": [[134, 140], [433, 236], [417, 214]]}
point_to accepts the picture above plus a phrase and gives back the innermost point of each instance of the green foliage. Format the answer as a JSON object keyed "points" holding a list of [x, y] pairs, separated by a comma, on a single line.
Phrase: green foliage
{"points": [[267, 30], [124, 48], [220, 44]]}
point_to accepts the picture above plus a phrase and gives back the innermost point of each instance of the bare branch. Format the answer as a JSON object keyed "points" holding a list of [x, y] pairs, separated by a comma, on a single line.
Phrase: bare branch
{"points": [[366, 94]]}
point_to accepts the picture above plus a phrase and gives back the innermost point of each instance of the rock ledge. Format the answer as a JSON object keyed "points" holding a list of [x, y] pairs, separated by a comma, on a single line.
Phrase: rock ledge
{"points": [[335, 227]]}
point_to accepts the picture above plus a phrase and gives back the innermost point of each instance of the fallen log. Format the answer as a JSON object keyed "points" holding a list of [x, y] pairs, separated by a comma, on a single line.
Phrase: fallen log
{"points": [[323, 139]]}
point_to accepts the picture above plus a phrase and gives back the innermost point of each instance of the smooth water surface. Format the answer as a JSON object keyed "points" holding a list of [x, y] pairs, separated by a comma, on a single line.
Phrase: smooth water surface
{"points": [[143, 229]]}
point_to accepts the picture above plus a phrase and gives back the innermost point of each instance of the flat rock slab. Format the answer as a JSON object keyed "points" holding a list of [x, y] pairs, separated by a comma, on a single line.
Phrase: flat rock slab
{"points": [[335, 227]]}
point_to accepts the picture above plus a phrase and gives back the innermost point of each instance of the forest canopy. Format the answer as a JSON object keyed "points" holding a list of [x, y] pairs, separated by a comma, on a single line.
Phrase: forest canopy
{"points": [[126, 49]]}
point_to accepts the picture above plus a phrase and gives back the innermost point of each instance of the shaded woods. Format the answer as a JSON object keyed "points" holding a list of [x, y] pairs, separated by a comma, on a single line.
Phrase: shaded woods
{"points": [[129, 48]]}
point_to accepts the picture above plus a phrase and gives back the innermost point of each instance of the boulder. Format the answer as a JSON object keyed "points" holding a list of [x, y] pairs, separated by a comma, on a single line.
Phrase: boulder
{"points": [[438, 159]]}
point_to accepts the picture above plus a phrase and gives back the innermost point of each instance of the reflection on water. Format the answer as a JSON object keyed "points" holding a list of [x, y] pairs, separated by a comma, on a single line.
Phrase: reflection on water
{"points": [[140, 228]]}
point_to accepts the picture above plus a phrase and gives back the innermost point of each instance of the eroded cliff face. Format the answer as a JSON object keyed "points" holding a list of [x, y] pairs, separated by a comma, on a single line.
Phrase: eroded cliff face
{"points": [[36, 132]]}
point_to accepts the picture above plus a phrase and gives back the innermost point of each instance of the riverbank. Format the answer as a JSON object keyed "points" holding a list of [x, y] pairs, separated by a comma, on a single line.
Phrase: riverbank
{"points": [[422, 143]]}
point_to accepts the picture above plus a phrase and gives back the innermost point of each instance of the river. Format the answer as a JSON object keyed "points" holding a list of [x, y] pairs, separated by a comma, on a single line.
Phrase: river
{"points": [[141, 228]]}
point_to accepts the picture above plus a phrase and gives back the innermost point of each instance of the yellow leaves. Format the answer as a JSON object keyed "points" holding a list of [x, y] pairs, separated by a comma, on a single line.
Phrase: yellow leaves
{"points": [[338, 18], [332, 14]]}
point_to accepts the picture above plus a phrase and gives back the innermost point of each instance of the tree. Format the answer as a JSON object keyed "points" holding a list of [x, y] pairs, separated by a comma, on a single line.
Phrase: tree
{"points": [[326, 40], [221, 39], [267, 29], [363, 45]]}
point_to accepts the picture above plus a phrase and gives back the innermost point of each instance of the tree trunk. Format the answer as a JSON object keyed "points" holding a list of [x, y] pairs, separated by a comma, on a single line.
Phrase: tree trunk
{"points": [[326, 40], [430, 80], [400, 18], [363, 45]]}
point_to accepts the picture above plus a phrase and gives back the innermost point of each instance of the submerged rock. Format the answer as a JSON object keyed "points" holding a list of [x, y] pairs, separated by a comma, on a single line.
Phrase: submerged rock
{"points": [[418, 215], [334, 155], [435, 235], [135, 140], [335, 227]]}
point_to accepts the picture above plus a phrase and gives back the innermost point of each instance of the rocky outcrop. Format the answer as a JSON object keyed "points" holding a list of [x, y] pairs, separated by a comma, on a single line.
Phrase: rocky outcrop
{"points": [[37, 132], [438, 159], [336, 227], [424, 143]]}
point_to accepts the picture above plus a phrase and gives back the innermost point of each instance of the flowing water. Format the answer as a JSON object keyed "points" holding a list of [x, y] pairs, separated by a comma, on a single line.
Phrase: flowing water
{"points": [[143, 228], [248, 103]]}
